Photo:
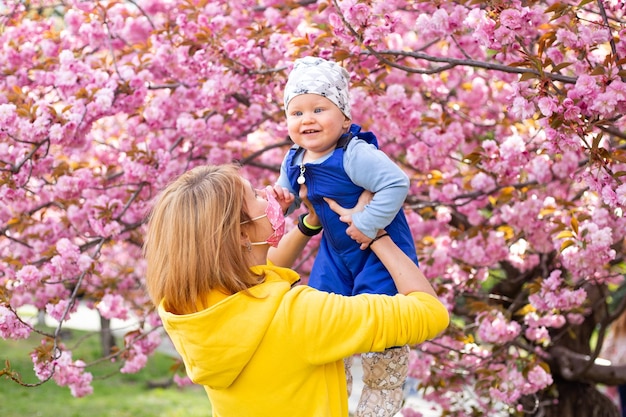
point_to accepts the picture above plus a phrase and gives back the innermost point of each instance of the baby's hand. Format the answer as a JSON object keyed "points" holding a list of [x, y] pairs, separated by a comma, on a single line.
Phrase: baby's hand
{"points": [[282, 195]]}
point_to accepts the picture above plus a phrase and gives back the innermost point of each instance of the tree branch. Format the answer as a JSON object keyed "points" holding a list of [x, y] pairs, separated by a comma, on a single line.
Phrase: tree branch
{"points": [[570, 365]]}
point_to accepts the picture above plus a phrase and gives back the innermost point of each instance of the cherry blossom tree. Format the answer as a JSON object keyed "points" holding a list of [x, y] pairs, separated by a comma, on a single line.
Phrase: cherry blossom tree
{"points": [[507, 115]]}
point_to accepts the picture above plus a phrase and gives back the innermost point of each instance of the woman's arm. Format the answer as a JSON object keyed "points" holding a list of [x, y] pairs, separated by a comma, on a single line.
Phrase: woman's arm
{"points": [[406, 275], [289, 248], [294, 242]]}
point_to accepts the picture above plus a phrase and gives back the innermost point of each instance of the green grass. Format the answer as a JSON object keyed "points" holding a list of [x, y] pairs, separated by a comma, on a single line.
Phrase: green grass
{"points": [[115, 394]]}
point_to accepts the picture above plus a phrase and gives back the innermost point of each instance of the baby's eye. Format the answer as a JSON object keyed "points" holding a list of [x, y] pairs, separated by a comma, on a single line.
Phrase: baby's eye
{"points": [[297, 113], [318, 110]]}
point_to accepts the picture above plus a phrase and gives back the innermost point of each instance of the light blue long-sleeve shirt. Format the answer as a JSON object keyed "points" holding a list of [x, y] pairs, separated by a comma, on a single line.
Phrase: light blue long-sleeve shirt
{"points": [[370, 168]]}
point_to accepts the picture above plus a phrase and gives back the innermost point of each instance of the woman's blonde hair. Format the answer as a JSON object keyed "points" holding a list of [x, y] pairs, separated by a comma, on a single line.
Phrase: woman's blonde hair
{"points": [[193, 244]]}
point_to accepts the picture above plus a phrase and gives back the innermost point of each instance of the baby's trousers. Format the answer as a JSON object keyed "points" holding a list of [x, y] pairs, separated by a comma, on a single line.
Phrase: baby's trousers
{"points": [[384, 374]]}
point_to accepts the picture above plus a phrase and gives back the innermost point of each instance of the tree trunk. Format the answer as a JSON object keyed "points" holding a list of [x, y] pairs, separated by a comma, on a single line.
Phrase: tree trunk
{"points": [[577, 399], [575, 374], [107, 339], [41, 318]]}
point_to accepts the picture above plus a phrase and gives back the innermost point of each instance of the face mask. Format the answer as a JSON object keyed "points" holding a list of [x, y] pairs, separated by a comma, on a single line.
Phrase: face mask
{"points": [[274, 214]]}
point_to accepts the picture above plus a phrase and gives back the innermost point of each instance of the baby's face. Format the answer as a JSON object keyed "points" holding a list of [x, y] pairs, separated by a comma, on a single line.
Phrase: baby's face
{"points": [[315, 123]]}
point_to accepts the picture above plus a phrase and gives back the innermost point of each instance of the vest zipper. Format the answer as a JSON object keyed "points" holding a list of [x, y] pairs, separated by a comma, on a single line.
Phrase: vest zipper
{"points": [[301, 179]]}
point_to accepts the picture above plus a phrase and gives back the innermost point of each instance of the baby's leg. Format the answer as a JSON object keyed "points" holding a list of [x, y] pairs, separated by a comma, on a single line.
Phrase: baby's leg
{"points": [[384, 374]]}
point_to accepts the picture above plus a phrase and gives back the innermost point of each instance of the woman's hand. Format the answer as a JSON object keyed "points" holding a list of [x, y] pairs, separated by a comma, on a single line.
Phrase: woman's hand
{"points": [[345, 215]]}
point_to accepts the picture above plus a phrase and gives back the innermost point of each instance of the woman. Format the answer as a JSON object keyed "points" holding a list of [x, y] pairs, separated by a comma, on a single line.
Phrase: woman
{"points": [[614, 349], [259, 345]]}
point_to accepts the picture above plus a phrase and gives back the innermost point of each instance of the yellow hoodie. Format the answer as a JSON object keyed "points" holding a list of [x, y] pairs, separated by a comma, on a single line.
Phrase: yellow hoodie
{"points": [[280, 353]]}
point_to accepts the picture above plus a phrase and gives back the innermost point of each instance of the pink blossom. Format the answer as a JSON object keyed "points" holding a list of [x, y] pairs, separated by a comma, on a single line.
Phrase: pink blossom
{"points": [[65, 372], [137, 29], [136, 360], [521, 257], [416, 156], [621, 195], [29, 276], [182, 381], [495, 328], [66, 76], [7, 114], [555, 295], [572, 111], [43, 369], [511, 19], [566, 165], [555, 55], [538, 334], [67, 249], [567, 38], [139, 348], [72, 374], [472, 211], [482, 182], [547, 106], [540, 168], [604, 103], [92, 33], [609, 196], [481, 250], [73, 19], [482, 26], [58, 311], [522, 108], [585, 87], [113, 306], [433, 25], [11, 327], [575, 318], [593, 249], [215, 122], [104, 98], [410, 412], [539, 378], [357, 13], [594, 36], [515, 384]]}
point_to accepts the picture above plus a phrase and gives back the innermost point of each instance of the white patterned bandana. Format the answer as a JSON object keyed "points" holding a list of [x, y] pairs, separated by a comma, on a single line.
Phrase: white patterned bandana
{"points": [[328, 79]]}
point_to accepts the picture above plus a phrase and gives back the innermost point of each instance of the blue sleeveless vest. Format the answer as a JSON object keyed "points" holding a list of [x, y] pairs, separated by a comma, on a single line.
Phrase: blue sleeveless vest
{"points": [[341, 267]]}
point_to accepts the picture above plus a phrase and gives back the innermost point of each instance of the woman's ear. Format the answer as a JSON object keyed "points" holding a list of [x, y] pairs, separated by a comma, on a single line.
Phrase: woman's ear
{"points": [[245, 241]]}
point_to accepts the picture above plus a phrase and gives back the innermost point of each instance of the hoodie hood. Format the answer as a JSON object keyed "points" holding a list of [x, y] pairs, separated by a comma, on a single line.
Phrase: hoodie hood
{"points": [[218, 342]]}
